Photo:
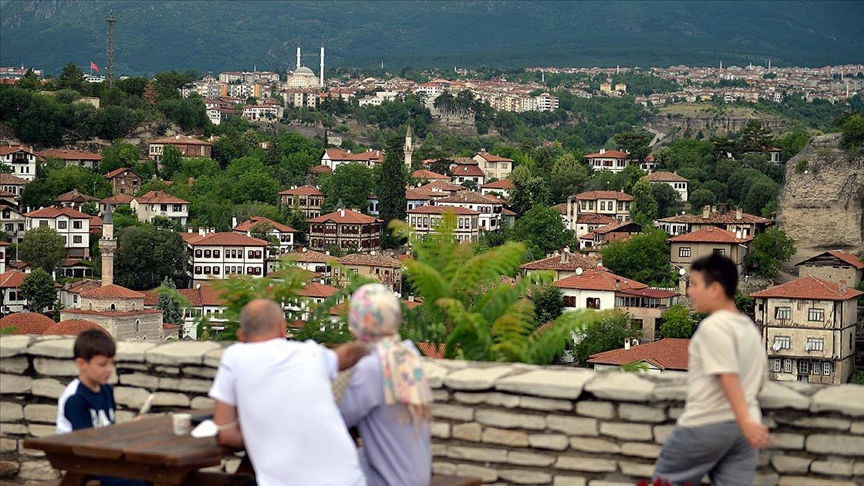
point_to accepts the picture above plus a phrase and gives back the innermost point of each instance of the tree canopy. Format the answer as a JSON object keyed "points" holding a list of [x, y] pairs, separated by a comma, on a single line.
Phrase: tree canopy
{"points": [[42, 247], [644, 258], [146, 256]]}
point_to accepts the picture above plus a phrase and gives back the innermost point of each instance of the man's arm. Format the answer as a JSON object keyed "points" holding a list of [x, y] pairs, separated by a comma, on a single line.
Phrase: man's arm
{"points": [[756, 433], [226, 414], [350, 353]]}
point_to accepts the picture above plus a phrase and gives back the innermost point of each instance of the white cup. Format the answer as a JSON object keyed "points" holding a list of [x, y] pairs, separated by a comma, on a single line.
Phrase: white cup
{"points": [[182, 423]]}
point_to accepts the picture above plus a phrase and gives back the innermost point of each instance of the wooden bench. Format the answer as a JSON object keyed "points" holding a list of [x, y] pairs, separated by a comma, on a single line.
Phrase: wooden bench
{"points": [[440, 480]]}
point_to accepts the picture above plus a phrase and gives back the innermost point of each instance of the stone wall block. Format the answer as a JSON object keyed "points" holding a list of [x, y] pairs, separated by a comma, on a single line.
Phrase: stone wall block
{"points": [[790, 464], [453, 412], [545, 404], [444, 468], [132, 351], [185, 384], [511, 438], [486, 474], [48, 388], [130, 397], [547, 383], [40, 470], [555, 442], [140, 380], [823, 423], [573, 425], [8, 430], [169, 399], [495, 399], [518, 476], [508, 420], [478, 454], [37, 430], [857, 428], [529, 459], [440, 395], [213, 357], [626, 431], [440, 430], [775, 396], [600, 410], [637, 469], [180, 352], [811, 481], [8, 445], [11, 412], [569, 481], [199, 372], [585, 464], [599, 446], [201, 403], [46, 414], [169, 370], [53, 348], [15, 365], [832, 468], [646, 451], [14, 384], [847, 399], [781, 440], [841, 445], [476, 378], [640, 413], [471, 432], [14, 345], [625, 387]]}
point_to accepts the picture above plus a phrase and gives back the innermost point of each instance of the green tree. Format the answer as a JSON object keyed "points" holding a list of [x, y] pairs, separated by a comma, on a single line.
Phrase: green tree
{"points": [[635, 143], [853, 131], [677, 323], [42, 247], [768, 251], [568, 177], [391, 190], [119, 154], [534, 192], [644, 258], [349, 183], [644, 209], [172, 162], [700, 198], [171, 312], [146, 255], [755, 137], [38, 289], [548, 303], [604, 335], [542, 231], [760, 195], [668, 200], [71, 77]]}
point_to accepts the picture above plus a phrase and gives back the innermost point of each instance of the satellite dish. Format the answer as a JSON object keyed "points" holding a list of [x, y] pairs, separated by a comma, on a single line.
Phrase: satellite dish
{"points": [[776, 346], [579, 271], [634, 342], [681, 272]]}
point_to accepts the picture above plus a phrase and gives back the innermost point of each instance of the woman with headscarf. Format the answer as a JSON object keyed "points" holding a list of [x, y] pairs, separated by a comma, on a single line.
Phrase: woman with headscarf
{"points": [[387, 398]]}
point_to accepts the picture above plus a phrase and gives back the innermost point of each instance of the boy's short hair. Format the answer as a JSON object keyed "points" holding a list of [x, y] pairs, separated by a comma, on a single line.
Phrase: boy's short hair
{"points": [[92, 343], [720, 269]]}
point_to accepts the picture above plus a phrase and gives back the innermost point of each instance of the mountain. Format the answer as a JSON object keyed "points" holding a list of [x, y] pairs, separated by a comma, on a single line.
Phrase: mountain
{"points": [[219, 35]]}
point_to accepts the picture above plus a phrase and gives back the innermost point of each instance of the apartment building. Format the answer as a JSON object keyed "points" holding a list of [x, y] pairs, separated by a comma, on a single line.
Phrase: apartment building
{"points": [[426, 220], [220, 255], [73, 226], [160, 203]]}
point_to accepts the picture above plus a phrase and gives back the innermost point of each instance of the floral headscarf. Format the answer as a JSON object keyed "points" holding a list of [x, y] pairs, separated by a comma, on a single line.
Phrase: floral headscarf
{"points": [[374, 316]]}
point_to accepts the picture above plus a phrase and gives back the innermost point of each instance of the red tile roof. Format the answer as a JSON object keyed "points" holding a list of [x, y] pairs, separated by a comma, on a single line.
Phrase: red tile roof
{"points": [[118, 199], [843, 256], [11, 180], [26, 323], [468, 171], [650, 293], [302, 191], [666, 354], [159, 197], [609, 154], [564, 261], [809, 288], [68, 155], [595, 195], [428, 175], [310, 256], [431, 350], [716, 218], [710, 235], [11, 279], [6, 150], [418, 194], [317, 290], [320, 169], [624, 226], [349, 216], [54, 212], [442, 186], [254, 221], [81, 285], [73, 327], [75, 196], [499, 184], [208, 296], [342, 155], [179, 140], [665, 177], [601, 280], [471, 197], [226, 239], [367, 260], [111, 292], [116, 172], [458, 210], [493, 158]]}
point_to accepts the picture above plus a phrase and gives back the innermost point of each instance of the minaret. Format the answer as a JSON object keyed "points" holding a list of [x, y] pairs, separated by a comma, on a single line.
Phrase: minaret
{"points": [[107, 245], [321, 81], [298, 55], [409, 146]]}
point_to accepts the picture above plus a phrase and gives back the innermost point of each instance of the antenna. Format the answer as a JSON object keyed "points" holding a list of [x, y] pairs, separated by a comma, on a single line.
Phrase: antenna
{"points": [[579, 271], [110, 20]]}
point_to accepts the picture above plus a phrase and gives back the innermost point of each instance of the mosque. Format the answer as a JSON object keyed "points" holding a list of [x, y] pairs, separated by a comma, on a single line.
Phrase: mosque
{"points": [[304, 78]]}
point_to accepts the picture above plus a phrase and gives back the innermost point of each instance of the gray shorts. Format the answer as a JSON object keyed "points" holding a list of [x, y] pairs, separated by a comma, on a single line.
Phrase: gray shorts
{"points": [[719, 450]]}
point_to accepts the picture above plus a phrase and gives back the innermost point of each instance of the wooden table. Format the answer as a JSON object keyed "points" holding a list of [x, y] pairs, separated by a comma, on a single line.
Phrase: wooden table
{"points": [[144, 449]]}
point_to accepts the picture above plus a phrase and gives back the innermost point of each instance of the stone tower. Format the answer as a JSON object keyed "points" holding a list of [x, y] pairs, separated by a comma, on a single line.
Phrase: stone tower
{"points": [[409, 146], [107, 245]]}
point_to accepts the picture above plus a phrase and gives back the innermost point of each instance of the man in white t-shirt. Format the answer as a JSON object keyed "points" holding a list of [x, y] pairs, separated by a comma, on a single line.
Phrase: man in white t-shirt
{"points": [[274, 398], [720, 431]]}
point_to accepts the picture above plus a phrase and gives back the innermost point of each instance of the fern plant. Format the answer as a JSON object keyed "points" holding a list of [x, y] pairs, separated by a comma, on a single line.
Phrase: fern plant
{"points": [[467, 306]]}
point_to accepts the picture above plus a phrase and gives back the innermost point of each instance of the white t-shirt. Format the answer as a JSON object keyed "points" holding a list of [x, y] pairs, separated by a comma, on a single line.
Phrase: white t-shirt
{"points": [[291, 427], [725, 342]]}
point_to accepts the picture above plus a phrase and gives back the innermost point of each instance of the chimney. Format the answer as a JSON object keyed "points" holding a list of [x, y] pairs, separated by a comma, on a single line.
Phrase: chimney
{"points": [[706, 211], [603, 151], [724, 208], [842, 287], [738, 213], [410, 298], [176, 137], [626, 343], [342, 212], [202, 232], [233, 223], [564, 257], [738, 234], [190, 230]]}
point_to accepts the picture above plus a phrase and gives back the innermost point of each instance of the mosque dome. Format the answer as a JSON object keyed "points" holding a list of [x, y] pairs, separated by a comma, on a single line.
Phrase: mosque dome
{"points": [[303, 77]]}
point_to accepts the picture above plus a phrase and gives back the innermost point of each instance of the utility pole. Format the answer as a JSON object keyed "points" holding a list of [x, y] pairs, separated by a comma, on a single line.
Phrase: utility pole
{"points": [[110, 20]]}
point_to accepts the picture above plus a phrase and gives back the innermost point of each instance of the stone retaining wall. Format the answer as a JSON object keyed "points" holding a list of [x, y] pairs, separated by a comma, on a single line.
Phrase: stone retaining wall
{"points": [[505, 423]]}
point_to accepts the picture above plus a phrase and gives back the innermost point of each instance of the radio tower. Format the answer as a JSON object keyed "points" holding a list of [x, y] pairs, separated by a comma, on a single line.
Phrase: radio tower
{"points": [[111, 20]]}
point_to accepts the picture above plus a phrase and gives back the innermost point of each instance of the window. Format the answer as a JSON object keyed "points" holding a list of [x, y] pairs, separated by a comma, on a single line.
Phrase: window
{"points": [[215, 253], [76, 239], [684, 252], [137, 325], [207, 270], [815, 344], [783, 313], [61, 224], [785, 342], [803, 366], [787, 365], [178, 208], [826, 368], [198, 270], [207, 253], [163, 207], [251, 255], [816, 315], [198, 253], [815, 368], [719, 251], [43, 223], [569, 301], [76, 225], [592, 303], [215, 270], [777, 365]]}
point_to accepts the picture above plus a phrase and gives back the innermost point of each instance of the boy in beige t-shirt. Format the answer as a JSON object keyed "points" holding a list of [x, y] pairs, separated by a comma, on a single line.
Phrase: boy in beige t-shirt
{"points": [[720, 431]]}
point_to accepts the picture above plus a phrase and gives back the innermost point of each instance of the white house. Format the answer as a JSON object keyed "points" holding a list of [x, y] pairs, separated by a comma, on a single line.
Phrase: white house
{"points": [[465, 173], [614, 204], [493, 165], [220, 255], [73, 226], [611, 160], [12, 184], [160, 203], [426, 219], [333, 158], [13, 301], [680, 184], [489, 207], [282, 233], [262, 112], [21, 159], [667, 356], [501, 186], [594, 289]]}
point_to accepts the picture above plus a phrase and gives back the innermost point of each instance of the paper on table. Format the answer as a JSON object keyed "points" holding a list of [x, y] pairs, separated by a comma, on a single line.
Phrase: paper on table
{"points": [[208, 428]]}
